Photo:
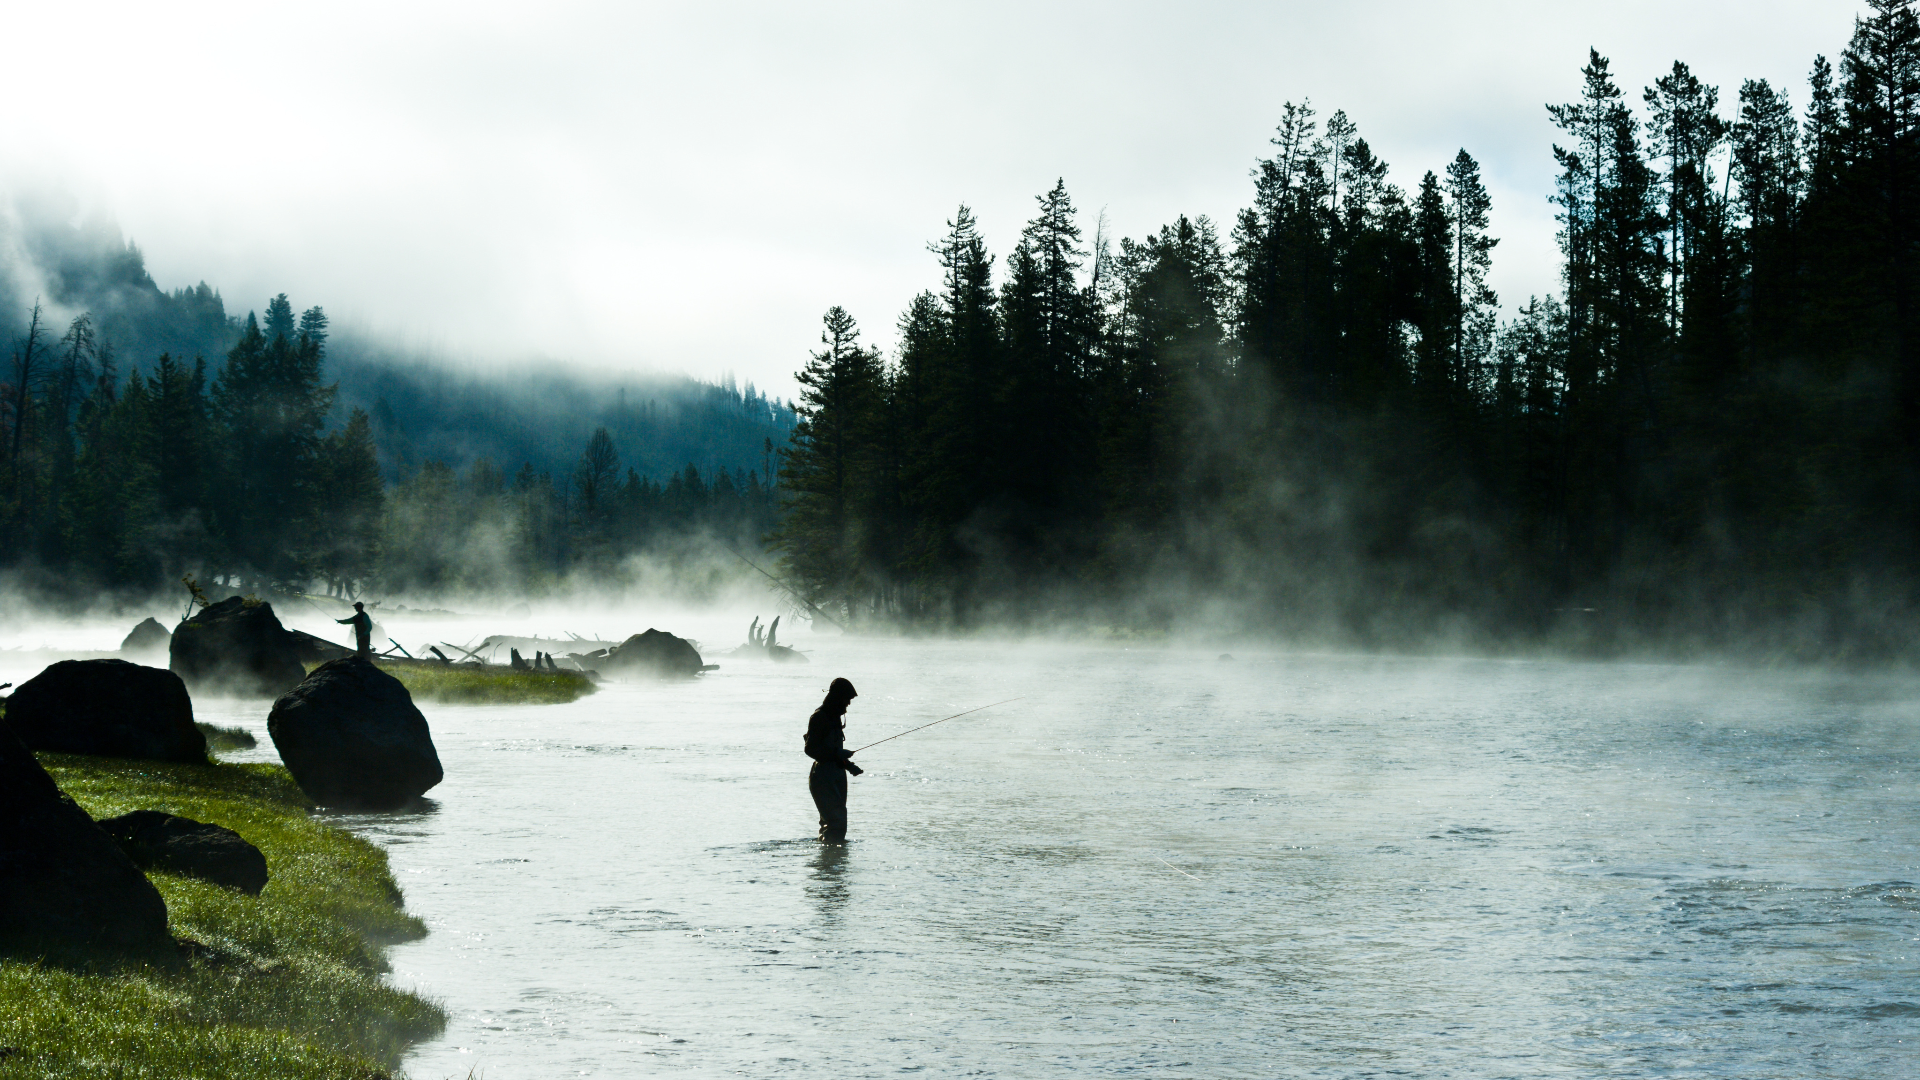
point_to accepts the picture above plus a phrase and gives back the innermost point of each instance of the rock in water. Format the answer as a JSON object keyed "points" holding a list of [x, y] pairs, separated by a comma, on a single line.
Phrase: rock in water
{"points": [[63, 881], [655, 652], [184, 846], [110, 708], [237, 647], [352, 739], [148, 637]]}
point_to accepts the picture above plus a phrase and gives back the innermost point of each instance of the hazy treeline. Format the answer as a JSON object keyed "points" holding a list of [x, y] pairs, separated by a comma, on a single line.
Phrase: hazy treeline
{"points": [[131, 481], [543, 414], [481, 531], [112, 481], [422, 408], [46, 257], [1319, 420], [297, 458]]}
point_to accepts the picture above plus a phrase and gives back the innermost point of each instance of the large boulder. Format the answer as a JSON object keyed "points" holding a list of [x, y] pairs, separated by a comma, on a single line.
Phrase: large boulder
{"points": [[63, 881], [655, 653], [192, 848], [237, 646], [352, 739], [147, 638], [110, 708]]}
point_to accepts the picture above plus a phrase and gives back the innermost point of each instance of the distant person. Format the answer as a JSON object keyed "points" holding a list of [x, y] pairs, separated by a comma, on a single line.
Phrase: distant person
{"points": [[362, 629], [832, 761]]}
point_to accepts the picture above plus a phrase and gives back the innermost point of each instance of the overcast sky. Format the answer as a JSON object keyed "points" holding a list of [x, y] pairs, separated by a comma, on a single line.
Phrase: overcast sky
{"points": [[687, 187]]}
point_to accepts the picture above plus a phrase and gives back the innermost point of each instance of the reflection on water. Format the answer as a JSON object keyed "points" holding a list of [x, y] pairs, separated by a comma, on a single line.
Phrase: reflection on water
{"points": [[828, 887], [422, 807], [1160, 864]]}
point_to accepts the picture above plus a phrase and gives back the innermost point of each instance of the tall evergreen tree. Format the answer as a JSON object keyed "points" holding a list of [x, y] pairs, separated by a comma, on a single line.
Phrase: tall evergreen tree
{"points": [[827, 468], [1046, 437], [1468, 214], [272, 403], [350, 501]]}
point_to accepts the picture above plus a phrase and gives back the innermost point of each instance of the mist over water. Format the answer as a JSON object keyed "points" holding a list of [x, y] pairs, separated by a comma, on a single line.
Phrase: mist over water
{"points": [[1164, 862]]}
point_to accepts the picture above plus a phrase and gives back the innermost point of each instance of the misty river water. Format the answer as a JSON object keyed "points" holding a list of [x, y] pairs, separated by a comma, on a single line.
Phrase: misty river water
{"points": [[1163, 862]]}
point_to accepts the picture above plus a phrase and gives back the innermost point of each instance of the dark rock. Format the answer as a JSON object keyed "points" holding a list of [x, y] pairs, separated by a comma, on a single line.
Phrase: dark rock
{"points": [[352, 738], [63, 881], [148, 637], [107, 707], [237, 647], [656, 653], [178, 845], [780, 654]]}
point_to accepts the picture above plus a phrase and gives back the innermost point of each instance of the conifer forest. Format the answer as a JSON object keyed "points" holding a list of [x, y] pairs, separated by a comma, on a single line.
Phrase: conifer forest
{"points": [[247, 477], [1315, 413], [1315, 419]]}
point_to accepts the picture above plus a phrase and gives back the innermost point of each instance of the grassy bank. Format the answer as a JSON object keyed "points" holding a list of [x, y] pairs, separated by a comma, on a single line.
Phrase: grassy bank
{"points": [[283, 985], [471, 684]]}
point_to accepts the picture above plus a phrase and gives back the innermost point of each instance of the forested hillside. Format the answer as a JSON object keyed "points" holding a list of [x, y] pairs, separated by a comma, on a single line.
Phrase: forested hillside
{"points": [[147, 434], [1315, 418]]}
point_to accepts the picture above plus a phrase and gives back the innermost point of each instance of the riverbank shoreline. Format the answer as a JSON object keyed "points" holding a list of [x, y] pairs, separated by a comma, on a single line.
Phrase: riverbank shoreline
{"points": [[287, 984], [475, 684]]}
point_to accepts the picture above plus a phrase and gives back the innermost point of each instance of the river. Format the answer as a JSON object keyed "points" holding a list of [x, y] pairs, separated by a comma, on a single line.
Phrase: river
{"points": [[1160, 861]]}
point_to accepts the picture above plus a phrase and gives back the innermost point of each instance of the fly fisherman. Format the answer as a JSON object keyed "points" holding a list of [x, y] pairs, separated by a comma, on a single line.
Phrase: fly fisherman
{"points": [[832, 761], [362, 628]]}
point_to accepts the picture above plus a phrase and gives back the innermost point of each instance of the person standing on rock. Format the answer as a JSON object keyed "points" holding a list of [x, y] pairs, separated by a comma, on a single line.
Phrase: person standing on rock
{"points": [[362, 628], [832, 761]]}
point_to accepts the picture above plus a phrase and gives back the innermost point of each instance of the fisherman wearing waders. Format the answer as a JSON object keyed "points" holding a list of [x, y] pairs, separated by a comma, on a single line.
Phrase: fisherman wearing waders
{"points": [[362, 628], [832, 761]]}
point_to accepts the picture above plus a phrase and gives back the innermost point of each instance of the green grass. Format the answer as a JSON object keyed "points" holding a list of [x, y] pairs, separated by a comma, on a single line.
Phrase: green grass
{"points": [[283, 985], [471, 684], [226, 739]]}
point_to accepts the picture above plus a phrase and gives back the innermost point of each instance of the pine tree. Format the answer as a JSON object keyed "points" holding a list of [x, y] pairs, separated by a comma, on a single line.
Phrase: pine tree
{"points": [[1610, 233], [28, 376], [1169, 371], [1435, 368], [826, 469], [963, 373], [1284, 264], [1882, 115], [1468, 212], [1686, 130], [270, 401], [1044, 469], [279, 321], [594, 477], [350, 501]]}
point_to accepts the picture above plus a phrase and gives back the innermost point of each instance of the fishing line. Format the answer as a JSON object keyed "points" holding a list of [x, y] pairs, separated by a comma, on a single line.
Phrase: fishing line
{"points": [[942, 720], [1176, 869]]}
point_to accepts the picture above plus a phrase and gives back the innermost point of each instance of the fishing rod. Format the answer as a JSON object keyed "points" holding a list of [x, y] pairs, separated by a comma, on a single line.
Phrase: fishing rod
{"points": [[315, 606], [942, 720], [790, 591]]}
